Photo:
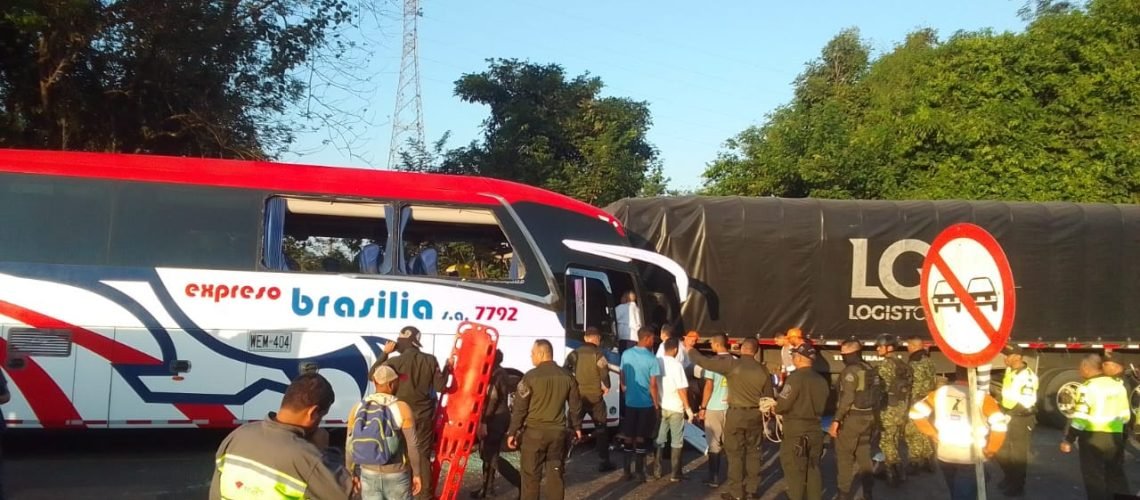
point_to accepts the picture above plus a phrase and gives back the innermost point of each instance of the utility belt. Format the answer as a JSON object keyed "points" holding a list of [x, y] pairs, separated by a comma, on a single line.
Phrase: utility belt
{"points": [[868, 411], [744, 407]]}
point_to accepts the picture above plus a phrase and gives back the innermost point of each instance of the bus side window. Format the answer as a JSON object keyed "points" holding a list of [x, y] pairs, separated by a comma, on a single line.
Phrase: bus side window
{"points": [[590, 303], [325, 235], [459, 242]]}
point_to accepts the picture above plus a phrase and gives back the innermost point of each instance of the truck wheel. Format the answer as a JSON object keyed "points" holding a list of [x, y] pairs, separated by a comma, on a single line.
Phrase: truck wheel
{"points": [[1132, 443], [1058, 398]]}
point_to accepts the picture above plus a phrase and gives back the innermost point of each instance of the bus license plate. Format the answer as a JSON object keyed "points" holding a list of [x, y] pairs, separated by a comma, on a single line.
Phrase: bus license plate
{"points": [[271, 342]]}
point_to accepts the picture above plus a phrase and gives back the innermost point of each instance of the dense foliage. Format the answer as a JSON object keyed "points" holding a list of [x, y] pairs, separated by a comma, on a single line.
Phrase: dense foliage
{"points": [[1052, 113], [179, 77]]}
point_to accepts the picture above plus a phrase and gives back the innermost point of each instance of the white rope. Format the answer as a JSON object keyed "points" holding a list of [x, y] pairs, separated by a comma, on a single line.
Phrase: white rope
{"points": [[768, 415]]}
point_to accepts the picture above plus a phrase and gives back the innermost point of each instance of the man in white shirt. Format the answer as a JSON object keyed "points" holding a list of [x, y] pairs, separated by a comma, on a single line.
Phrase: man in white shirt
{"points": [[628, 318], [674, 410]]}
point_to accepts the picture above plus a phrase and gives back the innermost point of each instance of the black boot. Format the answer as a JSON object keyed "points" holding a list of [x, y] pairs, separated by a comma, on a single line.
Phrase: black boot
{"points": [[713, 479], [675, 463], [901, 472], [868, 485], [639, 467], [657, 458], [892, 475], [627, 461]]}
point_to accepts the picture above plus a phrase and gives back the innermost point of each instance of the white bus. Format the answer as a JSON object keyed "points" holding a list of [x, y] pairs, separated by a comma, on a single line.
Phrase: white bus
{"points": [[143, 291]]}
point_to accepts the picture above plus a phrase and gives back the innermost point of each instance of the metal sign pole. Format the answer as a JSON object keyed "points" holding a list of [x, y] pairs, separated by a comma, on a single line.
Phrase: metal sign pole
{"points": [[974, 406]]}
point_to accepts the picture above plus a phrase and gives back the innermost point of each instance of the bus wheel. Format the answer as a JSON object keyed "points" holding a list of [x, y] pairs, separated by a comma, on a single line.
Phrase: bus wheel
{"points": [[1059, 397]]}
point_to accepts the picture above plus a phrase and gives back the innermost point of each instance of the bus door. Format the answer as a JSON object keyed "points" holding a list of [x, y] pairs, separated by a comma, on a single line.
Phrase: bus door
{"points": [[590, 302]]}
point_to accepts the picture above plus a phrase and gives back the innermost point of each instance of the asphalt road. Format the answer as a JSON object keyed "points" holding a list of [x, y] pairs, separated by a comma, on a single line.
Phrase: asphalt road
{"points": [[177, 464]]}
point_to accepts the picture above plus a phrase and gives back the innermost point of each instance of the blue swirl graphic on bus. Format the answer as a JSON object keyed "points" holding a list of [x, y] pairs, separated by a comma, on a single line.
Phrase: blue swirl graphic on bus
{"points": [[392, 304]]}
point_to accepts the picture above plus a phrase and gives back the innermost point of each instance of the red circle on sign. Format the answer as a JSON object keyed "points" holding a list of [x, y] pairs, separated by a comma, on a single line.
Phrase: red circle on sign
{"points": [[997, 336]]}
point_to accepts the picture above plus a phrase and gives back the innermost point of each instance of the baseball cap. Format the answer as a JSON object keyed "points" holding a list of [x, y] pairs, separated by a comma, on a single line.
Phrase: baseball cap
{"points": [[804, 350], [1011, 349], [384, 374], [411, 332]]}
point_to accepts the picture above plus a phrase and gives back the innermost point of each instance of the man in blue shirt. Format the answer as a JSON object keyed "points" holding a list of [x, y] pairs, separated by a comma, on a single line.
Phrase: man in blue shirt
{"points": [[714, 407], [639, 374]]}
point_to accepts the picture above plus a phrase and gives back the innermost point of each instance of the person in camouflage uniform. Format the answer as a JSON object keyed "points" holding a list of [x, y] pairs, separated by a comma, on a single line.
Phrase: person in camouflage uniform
{"points": [[893, 417], [920, 450]]}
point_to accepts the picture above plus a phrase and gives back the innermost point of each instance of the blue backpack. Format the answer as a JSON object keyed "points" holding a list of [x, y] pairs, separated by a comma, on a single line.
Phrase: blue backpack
{"points": [[375, 434]]}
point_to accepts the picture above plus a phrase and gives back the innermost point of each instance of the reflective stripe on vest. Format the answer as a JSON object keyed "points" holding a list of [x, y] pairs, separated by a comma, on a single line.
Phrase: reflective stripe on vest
{"points": [[1019, 387], [244, 479], [1102, 406]]}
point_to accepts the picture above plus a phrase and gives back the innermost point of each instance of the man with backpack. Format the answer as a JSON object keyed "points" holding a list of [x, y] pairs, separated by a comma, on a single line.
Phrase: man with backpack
{"points": [[896, 377], [591, 371], [421, 382], [860, 391], [381, 447]]}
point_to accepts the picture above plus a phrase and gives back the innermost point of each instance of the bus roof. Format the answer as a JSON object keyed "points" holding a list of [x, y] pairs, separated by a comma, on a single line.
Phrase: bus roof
{"points": [[285, 177]]}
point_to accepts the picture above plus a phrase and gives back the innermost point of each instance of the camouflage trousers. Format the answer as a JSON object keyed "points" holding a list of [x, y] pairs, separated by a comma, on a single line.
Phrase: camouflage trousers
{"points": [[893, 420], [918, 446]]}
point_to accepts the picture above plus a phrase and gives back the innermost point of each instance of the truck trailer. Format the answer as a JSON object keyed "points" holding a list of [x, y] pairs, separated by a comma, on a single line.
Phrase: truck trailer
{"points": [[850, 268]]}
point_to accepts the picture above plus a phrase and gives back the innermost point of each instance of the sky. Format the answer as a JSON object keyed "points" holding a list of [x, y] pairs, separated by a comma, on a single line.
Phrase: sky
{"points": [[706, 71]]}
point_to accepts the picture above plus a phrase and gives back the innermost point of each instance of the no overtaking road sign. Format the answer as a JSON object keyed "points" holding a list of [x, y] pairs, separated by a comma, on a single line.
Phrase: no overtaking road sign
{"points": [[968, 295]]}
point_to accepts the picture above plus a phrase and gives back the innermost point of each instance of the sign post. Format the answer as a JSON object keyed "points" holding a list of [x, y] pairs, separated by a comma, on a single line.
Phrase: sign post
{"points": [[968, 297]]}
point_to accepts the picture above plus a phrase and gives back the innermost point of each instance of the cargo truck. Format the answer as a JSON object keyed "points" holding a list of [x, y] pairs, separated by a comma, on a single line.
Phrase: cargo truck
{"points": [[850, 268]]}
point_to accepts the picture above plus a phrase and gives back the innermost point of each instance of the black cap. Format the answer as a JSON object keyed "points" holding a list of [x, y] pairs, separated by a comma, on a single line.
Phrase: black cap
{"points": [[413, 333], [1011, 349], [804, 350], [886, 339]]}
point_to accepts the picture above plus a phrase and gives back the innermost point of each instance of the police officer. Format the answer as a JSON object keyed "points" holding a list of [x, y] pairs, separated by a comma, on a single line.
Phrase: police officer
{"points": [[920, 450], [1019, 403], [895, 374], [1097, 425], [860, 391], [748, 381], [421, 381], [802, 402], [591, 371], [540, 413]]}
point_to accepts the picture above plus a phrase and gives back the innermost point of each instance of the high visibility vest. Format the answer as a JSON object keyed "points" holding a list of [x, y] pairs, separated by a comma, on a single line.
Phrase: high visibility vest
{"points": [[947, 407], [245, 479], [1019, 387], [1102, 405]]}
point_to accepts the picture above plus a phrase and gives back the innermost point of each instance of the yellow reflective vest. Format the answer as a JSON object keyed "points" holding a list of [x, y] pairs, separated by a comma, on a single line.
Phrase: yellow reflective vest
{"points": [[1019, 391], [1101, 406]]}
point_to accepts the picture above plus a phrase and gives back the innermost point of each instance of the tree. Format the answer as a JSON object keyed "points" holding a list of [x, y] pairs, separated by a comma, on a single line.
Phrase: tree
{"points": [[1047, 114], [180, 77], [557, 133]]}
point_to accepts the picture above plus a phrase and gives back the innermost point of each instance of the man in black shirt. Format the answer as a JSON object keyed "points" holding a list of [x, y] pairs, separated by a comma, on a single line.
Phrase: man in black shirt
{"points": [[590, 369], [801, 402]]}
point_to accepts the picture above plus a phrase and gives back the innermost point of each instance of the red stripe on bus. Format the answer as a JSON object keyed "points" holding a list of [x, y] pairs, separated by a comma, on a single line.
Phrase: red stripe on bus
{"points": [[104, 347], [286, 178], [139, 422], [115, 352], [48, 402]]}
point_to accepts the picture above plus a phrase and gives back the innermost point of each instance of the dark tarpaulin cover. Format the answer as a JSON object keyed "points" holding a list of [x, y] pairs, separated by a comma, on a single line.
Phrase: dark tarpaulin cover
{"points": [[838, 268]]}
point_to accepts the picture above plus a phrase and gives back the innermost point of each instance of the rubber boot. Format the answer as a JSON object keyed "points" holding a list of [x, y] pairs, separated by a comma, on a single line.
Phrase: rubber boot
{"points": [[657, 458], [892, 475], [675, 465], [639, 467], [713, 478], [627, 461]]}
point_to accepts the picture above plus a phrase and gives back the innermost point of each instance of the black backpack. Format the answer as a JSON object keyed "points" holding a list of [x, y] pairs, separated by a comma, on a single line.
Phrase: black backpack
{"points": [[868, 388], [900, 387]]}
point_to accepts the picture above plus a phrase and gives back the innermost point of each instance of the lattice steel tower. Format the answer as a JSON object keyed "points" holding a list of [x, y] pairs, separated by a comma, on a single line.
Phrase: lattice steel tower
{"points": [[408, 119]]}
